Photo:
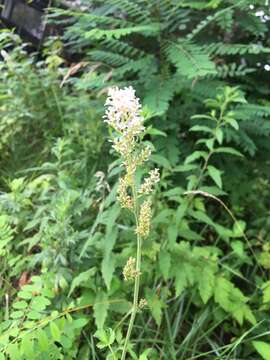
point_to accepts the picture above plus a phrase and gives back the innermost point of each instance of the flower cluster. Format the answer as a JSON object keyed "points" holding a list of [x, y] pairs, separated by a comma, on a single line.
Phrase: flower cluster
{"points": [[142, 304], [129, 271], [123, 111], [124, 199], [150, 182], [143, 227]]}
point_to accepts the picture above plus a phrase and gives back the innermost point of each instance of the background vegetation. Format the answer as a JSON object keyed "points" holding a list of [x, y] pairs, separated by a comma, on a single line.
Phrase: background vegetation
{"points": [[201, 70]]}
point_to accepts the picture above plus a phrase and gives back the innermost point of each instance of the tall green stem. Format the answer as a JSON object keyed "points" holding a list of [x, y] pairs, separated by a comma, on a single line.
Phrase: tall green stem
{"points": [[137, 278]]}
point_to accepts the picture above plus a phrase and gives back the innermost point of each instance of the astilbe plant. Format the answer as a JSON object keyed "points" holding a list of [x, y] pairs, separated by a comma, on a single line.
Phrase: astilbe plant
{"points": [[124, 116]]}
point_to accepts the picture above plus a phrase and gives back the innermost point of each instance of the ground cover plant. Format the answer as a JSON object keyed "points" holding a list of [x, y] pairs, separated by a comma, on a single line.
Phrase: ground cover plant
{"points": [[103, 256]]}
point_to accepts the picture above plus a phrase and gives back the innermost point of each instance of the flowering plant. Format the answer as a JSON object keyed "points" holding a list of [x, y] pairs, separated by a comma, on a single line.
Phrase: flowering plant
{"points": [[124, 115]]}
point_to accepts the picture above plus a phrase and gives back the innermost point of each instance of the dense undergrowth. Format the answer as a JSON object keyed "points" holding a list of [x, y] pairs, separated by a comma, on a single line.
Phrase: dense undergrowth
{"points": [[199, 69]]}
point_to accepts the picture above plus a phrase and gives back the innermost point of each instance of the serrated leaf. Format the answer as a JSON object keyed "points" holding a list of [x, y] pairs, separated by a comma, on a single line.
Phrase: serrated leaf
{"points": [[165, 263], [180, 281], [206, 284], [101, 309], [155, 304], [81, 278], [215, 174], [107, 269], [106, 337], [262, 348]]}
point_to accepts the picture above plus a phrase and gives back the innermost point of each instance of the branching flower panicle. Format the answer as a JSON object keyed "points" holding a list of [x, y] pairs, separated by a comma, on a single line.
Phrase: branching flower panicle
{"points": [[123, 114]]}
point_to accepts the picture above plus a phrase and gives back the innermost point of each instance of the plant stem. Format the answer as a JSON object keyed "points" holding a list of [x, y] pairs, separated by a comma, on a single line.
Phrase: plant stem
{"points": [[137, 278]]}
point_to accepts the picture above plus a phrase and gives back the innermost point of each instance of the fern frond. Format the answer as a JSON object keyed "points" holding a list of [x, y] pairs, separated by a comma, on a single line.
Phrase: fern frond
{"points": [[251, 111], [122, 48], [146, 30], [146, 67], [6, 233], [233, 70], [190, 60], [107, 57], [132, 9], [159, 92], [235, 49], [210, 18]]}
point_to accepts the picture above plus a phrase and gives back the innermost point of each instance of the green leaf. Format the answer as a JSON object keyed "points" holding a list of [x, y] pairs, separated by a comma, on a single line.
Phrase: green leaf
{"points": [[165, 263], [27, 347], [145, 354], [195, 156], [155, 132], [180, 281], [185, 168], [106, 337], [13, 352], [43, 341], [266, 292], [107, 269], [181, 211], [25, 295], [33, 315], [55, 332], [215, 174], [233, 123], [16, 314], [228, 150], [39, 303], [101, 309], [161, 161], [201, 128], [155, 304], [20, 305], [206, 284], [81, 278], [219, 135], [262, 348]]}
